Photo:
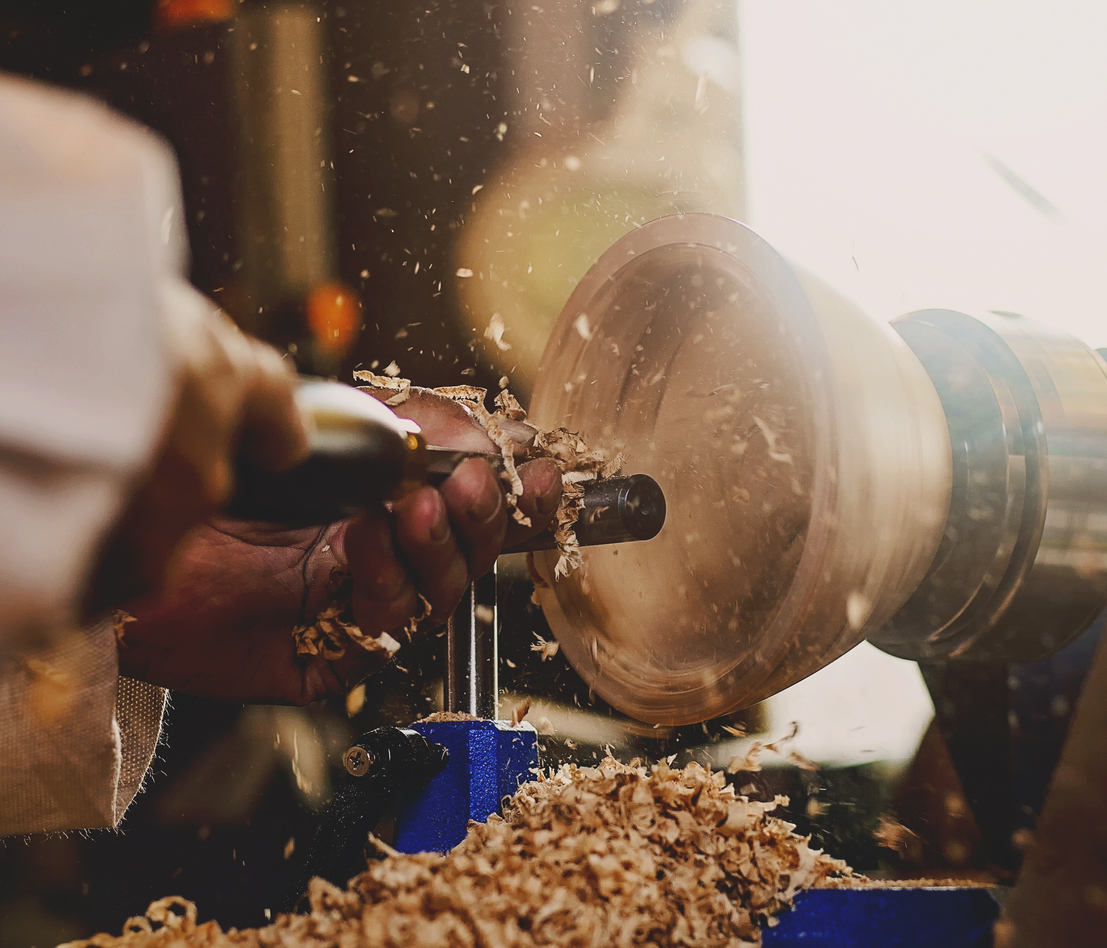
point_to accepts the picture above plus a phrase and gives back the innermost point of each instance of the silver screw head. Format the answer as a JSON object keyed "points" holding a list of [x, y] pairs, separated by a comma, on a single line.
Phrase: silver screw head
{"points": [[357, 761]]}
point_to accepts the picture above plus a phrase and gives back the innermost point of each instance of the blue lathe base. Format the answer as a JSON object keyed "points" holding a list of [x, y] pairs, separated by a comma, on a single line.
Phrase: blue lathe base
{"points": [[887, 918], [488, 761]]}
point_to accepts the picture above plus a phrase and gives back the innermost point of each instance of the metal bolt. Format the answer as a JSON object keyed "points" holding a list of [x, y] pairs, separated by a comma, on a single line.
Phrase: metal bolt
{"points": [[357, 761]]}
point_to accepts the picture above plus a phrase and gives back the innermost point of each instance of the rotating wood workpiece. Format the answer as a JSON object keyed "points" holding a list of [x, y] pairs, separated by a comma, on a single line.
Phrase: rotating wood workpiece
{"points": [[937, 486]]}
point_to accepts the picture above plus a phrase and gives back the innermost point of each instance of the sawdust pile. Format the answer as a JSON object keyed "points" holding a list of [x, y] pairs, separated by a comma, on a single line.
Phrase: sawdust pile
{"points": [[519, 442], [613, 855]]}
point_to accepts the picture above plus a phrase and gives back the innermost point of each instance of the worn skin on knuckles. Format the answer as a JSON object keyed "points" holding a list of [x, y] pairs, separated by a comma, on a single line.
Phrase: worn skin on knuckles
{"points": [[584, 857]]}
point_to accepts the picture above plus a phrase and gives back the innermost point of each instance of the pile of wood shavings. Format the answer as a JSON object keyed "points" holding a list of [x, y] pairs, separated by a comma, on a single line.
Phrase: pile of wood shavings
{"points": [[613, 855], [332, 629]]}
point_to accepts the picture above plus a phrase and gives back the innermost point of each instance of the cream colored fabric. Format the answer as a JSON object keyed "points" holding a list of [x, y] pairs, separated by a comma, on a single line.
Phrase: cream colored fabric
{"points": [[92, 295], [139, 707], [76, 740]]}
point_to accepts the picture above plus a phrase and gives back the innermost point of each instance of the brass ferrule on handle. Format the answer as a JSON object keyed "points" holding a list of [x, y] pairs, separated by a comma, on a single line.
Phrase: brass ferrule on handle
{"points": [[415, 466]]}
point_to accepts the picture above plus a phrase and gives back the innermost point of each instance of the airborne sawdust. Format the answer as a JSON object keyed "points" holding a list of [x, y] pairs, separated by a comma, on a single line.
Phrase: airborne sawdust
{"points": [[586, 857]]}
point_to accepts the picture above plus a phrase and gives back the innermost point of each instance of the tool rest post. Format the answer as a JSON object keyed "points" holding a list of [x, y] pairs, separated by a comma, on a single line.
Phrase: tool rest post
{"points": [[472, 653]]}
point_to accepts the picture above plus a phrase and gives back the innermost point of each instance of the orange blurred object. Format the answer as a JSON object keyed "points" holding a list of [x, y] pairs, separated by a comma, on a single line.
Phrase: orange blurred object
{"points": [[178, 14], [333, 316]]}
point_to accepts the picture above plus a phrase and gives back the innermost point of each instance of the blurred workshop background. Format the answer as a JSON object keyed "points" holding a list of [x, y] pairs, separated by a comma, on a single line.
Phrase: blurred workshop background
{"points": [[372, 183]]}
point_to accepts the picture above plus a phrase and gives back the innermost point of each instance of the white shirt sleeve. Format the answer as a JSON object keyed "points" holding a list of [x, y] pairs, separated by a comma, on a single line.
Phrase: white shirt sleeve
{"points": [[92, 265]]}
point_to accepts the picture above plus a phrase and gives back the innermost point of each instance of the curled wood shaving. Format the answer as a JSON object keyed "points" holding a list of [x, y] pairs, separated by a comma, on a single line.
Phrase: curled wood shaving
{"points": [[425, 610], [509, 405], [892, 834], [390, 390], [569, 557], [468, 395], [334, 627], [579, 466], [750, 762], [519, 713], [506, 443], [495, 332], [587, 857], [545, 649], [802, 762], [119, 620], [535, 577]]}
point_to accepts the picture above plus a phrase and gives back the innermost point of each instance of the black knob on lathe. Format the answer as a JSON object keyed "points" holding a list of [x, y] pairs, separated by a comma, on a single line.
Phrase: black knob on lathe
{"points": [[616, 510]]}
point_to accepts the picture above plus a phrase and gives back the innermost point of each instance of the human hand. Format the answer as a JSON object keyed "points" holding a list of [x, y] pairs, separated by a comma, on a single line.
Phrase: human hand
{"points": [[223, 629], [234, 393]]}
